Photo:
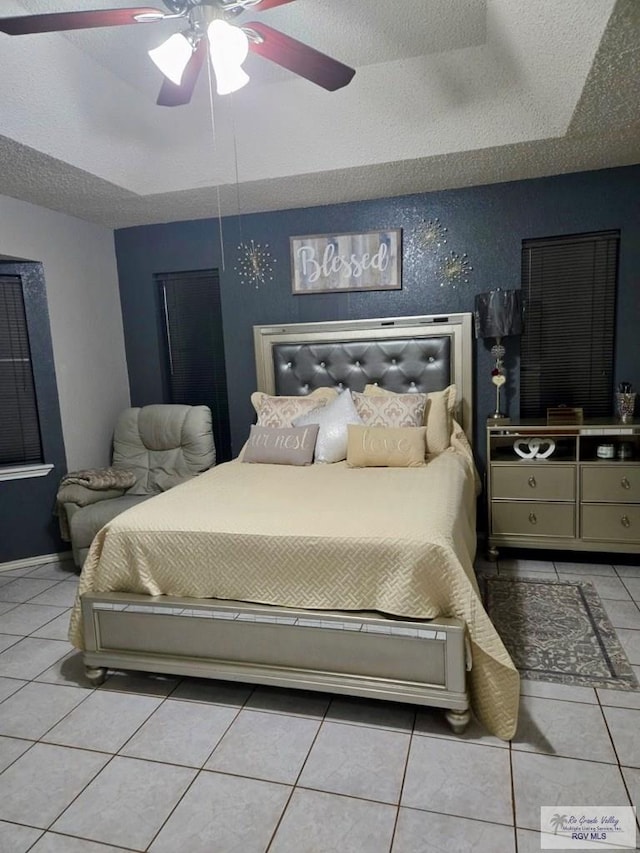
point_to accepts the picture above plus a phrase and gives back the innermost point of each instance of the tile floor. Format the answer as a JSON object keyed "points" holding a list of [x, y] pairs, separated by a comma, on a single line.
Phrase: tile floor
{"points": [[177, 764]]}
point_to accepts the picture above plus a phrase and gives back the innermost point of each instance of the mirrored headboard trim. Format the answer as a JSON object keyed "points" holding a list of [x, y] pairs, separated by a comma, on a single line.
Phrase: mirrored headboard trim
{"points": [[424, 353]]}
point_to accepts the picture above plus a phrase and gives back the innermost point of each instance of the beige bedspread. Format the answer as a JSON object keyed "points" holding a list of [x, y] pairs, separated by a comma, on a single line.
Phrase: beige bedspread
{"points": [[397, 540]]}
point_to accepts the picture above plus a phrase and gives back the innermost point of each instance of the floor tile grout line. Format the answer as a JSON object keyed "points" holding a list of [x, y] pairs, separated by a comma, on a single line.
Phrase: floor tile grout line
{"points": [[339, 794], [295, 785], [44, 624], [404, 777], [196, 775], [623, 582], [163, 699], [77, 838], [239, 709], [458, 739], [513, 798], [30, 636], [84, 788], [92, 691], [199, 770], [568, 757], [448, 814], [15, 604], [18, 757], [53, 663], [560, 698], [28, 826], [31, 597], [606, 725], [622, 776]]}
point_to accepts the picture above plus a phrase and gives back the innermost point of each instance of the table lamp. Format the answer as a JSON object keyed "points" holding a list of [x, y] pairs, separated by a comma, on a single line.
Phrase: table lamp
{"points": [[498, 314]]}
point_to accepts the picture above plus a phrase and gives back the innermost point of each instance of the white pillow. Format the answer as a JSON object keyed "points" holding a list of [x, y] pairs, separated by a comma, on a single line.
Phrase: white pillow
{"points": [[333, 420]]}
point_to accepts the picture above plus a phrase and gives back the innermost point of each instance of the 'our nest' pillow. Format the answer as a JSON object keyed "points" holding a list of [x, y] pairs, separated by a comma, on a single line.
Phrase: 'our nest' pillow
{"points": [[281, 411], [377, 447], [281, 445], [333, 419], [438, 413]]}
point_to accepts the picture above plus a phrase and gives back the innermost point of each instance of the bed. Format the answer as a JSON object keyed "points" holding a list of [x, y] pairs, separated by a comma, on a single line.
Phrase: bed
{"points": [[348, 580]]}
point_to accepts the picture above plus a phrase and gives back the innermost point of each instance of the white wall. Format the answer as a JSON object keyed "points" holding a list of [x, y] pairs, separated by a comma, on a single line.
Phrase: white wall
{"points": [[86, 320]]}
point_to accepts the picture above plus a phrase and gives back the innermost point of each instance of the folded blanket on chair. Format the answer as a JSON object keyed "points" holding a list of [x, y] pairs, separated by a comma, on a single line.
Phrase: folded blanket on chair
{"points": [[89, 486], [101, 478]]}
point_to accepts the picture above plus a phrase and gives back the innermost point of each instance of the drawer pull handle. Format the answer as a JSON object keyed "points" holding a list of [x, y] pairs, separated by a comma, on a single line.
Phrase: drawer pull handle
{"points": [[532, 482], [625, 483], [625, 521], [533, 519]]}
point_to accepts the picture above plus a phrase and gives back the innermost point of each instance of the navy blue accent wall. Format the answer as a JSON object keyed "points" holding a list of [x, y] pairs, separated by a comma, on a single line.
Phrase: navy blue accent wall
{"points": [[487, 222], [27, 523]]}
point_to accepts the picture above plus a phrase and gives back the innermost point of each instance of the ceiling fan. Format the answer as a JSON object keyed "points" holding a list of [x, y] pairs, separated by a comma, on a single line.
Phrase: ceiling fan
{"points": [[181, 57]]}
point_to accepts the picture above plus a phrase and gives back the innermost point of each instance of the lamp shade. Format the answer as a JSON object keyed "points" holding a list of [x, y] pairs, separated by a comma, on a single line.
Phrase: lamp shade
{"points": [[498, 313]]}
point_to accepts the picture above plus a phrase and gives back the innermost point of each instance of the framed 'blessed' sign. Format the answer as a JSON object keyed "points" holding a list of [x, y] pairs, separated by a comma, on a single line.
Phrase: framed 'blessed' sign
{"points": [[332, 263]]}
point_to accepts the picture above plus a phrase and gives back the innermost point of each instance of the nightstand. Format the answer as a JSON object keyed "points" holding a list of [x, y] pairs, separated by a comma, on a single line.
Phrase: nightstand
{"points": [[573, 487]]}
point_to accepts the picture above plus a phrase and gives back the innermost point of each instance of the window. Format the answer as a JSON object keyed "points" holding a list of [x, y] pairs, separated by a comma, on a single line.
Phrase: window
{"points": [[567, 347], [20, 442], [196, 373]]}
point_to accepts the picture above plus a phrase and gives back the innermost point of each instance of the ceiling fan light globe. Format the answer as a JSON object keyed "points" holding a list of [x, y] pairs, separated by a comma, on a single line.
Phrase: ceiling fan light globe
{"points": [[228, 47], [172, 56], [230, 82]]}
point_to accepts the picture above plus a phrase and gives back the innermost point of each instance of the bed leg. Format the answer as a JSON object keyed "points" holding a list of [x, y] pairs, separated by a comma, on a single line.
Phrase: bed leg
{"points": [[96, 675], [458, 720], [492, 553]]}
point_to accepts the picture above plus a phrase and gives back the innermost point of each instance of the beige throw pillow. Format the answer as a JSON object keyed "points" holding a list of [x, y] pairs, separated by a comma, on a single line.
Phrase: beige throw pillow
{"points": [[281, 411], [402, 447], [438, 414]]}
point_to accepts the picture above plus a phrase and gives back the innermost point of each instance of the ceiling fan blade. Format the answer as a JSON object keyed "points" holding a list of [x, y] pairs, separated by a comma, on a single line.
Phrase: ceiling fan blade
{"points": [[172, 95], [60, 21], [299, 57], [269, 4]]}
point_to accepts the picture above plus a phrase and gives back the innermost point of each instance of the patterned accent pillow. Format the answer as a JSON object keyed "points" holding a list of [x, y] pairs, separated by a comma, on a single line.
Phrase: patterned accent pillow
{"points": [[391, 410], [281, 411], [286, 446], [438, 416], [381, 447]]}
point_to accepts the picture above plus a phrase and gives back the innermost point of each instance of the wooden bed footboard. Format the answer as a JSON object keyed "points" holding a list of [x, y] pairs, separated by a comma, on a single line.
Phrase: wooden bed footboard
{"points": [[355, 653]]}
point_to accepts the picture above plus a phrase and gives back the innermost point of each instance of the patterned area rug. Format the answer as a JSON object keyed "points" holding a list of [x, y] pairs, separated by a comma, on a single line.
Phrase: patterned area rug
{"points": [[558, 631]]}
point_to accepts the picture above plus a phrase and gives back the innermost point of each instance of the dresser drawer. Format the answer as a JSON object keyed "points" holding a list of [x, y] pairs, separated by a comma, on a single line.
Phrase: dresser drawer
{"points": [[611, 522], [531, 518], [616, 483], [534, 482]]}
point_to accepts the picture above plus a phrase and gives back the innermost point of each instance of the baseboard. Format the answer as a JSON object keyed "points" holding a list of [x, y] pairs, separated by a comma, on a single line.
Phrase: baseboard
{"points": [[40, 560]]}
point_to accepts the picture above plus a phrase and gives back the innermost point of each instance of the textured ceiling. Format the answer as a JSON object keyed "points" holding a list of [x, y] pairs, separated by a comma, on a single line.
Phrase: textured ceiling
{"points": [[447, 93]]}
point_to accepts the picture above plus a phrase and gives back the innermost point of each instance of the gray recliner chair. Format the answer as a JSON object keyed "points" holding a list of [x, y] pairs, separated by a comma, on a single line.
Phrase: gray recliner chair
{"points": [[160, 446]]}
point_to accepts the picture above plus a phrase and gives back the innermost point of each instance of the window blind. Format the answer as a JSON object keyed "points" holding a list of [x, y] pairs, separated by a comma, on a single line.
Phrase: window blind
{"points": [[19, 423], [567, 348], [190, 303]]}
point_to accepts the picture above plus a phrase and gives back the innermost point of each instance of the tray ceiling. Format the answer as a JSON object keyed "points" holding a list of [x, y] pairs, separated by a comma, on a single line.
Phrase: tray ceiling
{"points": [[447, 93]]}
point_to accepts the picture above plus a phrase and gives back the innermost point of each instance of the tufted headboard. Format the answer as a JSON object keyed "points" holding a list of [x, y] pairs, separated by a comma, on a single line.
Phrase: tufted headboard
{"points": [[402, 354]]}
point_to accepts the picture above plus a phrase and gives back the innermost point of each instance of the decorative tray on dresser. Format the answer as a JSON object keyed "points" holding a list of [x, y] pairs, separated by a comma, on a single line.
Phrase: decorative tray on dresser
{"points": [[574, 487]]}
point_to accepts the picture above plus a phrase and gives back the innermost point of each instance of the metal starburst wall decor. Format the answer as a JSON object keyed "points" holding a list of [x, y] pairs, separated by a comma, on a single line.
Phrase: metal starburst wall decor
{"points": [[431, 234], [454, 270], [255, 263]]}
